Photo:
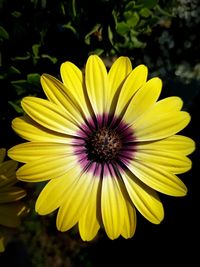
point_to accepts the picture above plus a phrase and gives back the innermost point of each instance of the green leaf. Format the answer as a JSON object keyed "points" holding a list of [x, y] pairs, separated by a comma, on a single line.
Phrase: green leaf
{"points": [[16, 14], [3, 76], [130, 5], [52, 59], [74, 8], [164, 12], [28, 56], [145, 12], [114, 14], [3, 33], [70, 27], [36, 53], [13, 70], [135, 42], [148, 4], [16, 106], [20, 86], [19, 82], [33, 78], [110, 35], [122, 28], [147, 29], [35, 49], [88, 35], [133, 20], [97, 52]]}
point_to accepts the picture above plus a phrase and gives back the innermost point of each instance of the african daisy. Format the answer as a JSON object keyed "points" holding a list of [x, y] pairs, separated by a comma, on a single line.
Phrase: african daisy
{"points": [[106, 144]]}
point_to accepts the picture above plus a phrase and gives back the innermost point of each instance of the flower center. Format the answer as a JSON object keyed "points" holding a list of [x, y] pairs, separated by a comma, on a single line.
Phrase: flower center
{"points": [[103, 145]]}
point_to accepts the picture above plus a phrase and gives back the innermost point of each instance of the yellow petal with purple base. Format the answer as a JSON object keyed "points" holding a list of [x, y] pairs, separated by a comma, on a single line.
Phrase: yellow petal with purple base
{"points": [[49, 115], [75, 202], [96, 80], [159, 179], [112, 207], [144, 198]]}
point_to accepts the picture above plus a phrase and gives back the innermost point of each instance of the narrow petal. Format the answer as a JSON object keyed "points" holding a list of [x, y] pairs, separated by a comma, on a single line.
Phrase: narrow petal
{"points": [[30, 130], [134, 81], [73, 80], [143, 100], [6, 181], [130, 221], [155, 125], [46, 168], [56, 93], [49, 115], [88, 223], [11, 194], [144, 198], [2, 245], [169, 104], [174, 163], [9, 214], [32, 151], [112, 207], [2, 154], [116, 77], [54, 192], [97, 84], [177, 144], [157, 178], [7, 171], [76, 200]]}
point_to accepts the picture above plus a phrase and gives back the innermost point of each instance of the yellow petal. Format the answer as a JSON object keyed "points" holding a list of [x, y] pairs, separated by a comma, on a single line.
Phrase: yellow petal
{"points": [[177, 144], [134, 81], [144, 198], [46, 168], [130, 221], [54, 192], [76, 200], [32, 151], [97, 84], [143, 100], [112, 207], [155, 125], [11, 194], [30, 130], [2, 154], [49, 115], [57, 94], [88, 223], [7, 171], [169, 104], [2, 246], [7, 181], [73, 80], [157, 178], [174, 163], [116, 77], [10, 214]]}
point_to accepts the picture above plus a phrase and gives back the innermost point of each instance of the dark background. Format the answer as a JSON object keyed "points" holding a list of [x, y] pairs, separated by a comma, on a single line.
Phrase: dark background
{"points": [[36, 37]]}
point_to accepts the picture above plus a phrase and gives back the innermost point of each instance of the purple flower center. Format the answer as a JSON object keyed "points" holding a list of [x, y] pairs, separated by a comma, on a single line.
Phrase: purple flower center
{"points": [[103, 145], [106, 141]]}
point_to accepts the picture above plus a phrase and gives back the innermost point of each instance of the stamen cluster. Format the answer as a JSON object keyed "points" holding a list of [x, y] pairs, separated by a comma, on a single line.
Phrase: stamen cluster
{"points": [[103, 145]]}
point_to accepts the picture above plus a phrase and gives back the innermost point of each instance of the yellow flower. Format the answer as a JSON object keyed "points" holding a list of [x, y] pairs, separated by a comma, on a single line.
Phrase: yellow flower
{"points": [[106, 144], [10, 207]]}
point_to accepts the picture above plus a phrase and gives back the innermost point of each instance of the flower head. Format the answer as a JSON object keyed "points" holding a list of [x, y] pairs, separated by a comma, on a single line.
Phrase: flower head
{"points": [[10, 206], [106, 144]]}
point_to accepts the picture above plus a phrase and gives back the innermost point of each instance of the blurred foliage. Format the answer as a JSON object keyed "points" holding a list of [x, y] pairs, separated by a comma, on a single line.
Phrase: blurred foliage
{"points": [[36, 36]]}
